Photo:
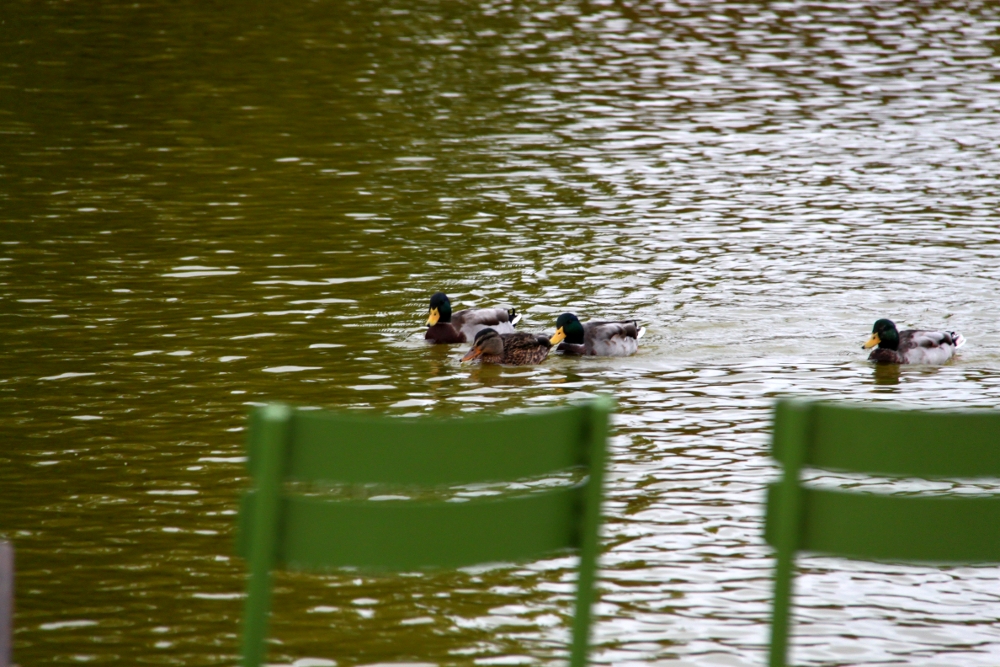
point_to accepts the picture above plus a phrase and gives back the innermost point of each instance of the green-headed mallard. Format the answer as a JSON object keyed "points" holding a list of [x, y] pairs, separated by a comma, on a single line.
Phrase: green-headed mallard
{"points": [[443, 326], [912, 346], [597, 339], [514, 349]]}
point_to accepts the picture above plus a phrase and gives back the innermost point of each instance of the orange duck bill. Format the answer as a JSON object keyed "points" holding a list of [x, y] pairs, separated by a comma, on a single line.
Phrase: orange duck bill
{"points": [[472, 354]]}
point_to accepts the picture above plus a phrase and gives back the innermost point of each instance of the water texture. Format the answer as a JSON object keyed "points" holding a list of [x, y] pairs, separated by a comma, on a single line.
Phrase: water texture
{"points": [[208, 206]]}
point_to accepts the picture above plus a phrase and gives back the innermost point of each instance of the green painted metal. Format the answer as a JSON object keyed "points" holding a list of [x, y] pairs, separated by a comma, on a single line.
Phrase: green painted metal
{"points": [[873, 526], [790, 433], [269, 433], [903, 443], [595, 448], [6, 602], [358, 449], [907, 528], [399, 535], [279, 528]]}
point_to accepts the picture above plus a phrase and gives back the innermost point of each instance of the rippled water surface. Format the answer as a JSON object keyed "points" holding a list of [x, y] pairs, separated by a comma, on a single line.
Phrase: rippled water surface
{"points": [[205, 207]]}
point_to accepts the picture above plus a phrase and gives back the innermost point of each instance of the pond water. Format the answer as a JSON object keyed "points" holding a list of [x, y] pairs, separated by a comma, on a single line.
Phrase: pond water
{"points": [[207, 207]]}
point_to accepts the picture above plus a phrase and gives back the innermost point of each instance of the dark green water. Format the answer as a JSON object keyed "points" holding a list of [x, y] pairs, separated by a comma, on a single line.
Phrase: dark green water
{"points": [[207, 206]]}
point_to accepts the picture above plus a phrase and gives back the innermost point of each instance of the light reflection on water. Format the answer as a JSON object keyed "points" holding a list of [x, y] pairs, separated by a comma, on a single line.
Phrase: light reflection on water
{"points": [[230, 221]]}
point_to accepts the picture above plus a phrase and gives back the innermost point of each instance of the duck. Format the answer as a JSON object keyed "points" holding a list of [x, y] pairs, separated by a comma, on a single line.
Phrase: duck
{"points": [[596, 339], [443, 326], [511, 349], [911, 346]]}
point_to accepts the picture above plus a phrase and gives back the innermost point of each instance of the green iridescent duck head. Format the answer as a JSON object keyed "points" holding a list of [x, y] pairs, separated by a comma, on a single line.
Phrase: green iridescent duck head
{"points": [[884, 334], [440, 309], [568, 328]]}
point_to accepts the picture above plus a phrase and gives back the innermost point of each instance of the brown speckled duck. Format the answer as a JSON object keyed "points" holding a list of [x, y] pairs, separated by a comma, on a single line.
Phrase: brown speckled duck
{"points": [[596, 339], [443, 326], [514, 349], [912, 346]]}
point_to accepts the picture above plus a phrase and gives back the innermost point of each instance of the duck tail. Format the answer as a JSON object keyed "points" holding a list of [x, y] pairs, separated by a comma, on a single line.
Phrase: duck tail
{"points": [[957, 338], [640, 330], [513, 316]]}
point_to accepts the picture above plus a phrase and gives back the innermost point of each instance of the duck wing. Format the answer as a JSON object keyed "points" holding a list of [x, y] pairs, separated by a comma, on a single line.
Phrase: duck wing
{"points": [[522, 349], [611, 339], [917, 346], [473, 320]]}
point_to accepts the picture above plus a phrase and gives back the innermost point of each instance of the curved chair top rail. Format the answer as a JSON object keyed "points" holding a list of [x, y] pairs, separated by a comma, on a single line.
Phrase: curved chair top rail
{"points": [[893, 442], [331, 447]]}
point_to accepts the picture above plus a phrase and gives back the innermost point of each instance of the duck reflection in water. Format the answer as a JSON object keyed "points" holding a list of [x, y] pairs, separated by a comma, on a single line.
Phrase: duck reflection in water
{"points": [[886, 374]]}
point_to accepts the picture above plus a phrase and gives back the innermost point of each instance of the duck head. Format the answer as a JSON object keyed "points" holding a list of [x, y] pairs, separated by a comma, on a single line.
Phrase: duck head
{"points": [[440, 309], [568, 328], [487, 341], [884, 334]]}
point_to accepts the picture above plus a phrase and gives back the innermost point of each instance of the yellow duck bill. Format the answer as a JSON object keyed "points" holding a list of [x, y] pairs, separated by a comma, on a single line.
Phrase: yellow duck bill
{"points": [[558, 337], [433, 317], [871, 342]]}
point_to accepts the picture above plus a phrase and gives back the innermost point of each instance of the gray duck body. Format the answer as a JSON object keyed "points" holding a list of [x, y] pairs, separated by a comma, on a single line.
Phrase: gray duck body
{"points": [[597, 339]]}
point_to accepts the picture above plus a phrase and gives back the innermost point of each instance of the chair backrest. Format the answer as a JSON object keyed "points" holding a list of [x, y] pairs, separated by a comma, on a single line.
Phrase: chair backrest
{"points": [[873, 526], [281, 528]]}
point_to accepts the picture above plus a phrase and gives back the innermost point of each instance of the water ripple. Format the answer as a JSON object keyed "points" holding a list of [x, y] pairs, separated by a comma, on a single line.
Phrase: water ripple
{"points": [[262, 214]]}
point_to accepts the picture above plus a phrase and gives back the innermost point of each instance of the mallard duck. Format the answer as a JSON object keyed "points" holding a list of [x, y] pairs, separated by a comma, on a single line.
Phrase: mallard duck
{"points": [[513, 349], [443, 326], [597, 339], [912, 346]]}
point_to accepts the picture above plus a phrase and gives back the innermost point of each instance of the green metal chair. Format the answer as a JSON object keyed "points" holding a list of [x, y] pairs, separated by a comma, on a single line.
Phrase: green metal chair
{"points": [[282, 529], [873, 526]]}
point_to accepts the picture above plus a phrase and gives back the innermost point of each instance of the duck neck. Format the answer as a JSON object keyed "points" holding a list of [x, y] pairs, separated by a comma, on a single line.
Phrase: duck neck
{"points": [[574, 333], [889, 340]]}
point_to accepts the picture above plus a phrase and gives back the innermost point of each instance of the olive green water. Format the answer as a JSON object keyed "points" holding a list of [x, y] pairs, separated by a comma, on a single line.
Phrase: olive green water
{"points": [[206, 206]]}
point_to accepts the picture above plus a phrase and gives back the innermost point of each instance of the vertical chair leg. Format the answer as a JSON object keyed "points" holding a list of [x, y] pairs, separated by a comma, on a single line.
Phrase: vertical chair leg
{"points": [[256, 615], [6, 603], [792, 426], [272, 445], [589, 532], [581, 618], [782, 611]]}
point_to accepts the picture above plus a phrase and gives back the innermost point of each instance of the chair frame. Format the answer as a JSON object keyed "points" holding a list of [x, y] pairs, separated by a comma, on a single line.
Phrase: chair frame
{"points": [[871, 526], [6, 603], [289, 445]]}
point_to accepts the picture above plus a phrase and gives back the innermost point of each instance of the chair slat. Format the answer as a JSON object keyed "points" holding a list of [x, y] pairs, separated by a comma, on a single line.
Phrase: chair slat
{"points": [[403, 535], [906, 443], [354, 449], [873, 526]]}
